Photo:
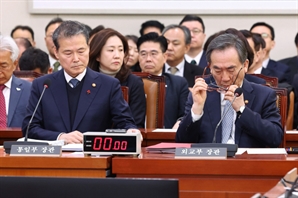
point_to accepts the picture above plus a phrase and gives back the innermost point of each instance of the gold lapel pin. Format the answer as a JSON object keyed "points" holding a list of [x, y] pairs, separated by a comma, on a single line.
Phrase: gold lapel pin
{"points": [[93, 85], [246, 101]]}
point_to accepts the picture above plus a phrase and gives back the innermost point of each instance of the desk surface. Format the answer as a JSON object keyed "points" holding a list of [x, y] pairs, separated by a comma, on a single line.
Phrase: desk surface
{"points": [[68, 165], [242, 176]]}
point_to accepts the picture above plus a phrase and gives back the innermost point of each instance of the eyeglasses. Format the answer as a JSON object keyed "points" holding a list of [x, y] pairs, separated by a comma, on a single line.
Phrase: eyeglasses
{"points": [[196, 31], [265, 35], [212, 86], [153, 54]]}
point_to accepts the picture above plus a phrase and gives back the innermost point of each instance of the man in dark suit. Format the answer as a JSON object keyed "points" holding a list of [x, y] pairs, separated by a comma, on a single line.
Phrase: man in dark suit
{"points": [[196, 55], [179, 39], [281, 70], [292, 62], [14, 91], [78, 99], [252, 119], [152, 57]]}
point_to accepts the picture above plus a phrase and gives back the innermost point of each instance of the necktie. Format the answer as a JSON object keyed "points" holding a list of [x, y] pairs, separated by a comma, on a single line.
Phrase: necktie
{"points": [[56, 66], [2, 108], [193, 62], [74, 82], [227, 123], [173, 70]]}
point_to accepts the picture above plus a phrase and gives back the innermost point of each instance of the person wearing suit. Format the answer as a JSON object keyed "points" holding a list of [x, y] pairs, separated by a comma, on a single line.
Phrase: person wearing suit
{"points": [[254, 119], [108, 50], [292, 62], [78, 99], [15, 93], [152, 57], [281, 71], [179, 39], [196, 55]]}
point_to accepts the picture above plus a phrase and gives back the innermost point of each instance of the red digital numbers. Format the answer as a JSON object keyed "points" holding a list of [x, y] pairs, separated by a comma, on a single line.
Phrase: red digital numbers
{"points": [[108, 144]]}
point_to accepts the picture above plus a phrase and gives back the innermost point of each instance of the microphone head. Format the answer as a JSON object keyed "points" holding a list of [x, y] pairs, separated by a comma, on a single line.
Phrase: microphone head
{"points": [[238, 92], [47, 83]]}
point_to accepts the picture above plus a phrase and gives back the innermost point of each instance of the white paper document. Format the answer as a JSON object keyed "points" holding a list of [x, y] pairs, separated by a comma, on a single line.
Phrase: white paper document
{"points": [[165, 130], [266, 151], [52, 143], [72, 147]]}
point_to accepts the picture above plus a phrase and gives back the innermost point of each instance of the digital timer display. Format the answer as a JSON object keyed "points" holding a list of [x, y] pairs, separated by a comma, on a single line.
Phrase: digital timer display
{"points": [[110, 144]]}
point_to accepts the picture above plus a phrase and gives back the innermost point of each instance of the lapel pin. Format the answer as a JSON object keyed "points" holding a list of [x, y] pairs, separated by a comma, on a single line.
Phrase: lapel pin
{"points": [[88, 91], [93, 85], [246, 101], [18, 89]]}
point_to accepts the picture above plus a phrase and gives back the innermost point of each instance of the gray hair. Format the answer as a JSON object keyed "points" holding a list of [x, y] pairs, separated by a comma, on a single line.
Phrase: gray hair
{"points": [[185, 30], [69, 29], [225, 41], [8, 44]]}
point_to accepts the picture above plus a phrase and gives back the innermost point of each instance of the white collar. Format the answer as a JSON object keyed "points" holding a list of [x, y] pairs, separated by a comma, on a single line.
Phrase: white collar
{"points": [[197, 58], [79, 77]]}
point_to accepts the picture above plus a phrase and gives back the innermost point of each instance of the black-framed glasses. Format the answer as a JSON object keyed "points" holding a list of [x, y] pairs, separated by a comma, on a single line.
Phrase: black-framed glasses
{"points": [[212, 86]]}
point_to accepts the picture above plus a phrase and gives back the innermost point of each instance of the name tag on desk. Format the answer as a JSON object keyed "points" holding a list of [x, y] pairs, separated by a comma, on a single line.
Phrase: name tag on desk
{"points": [[201, 153], [36, 150]]}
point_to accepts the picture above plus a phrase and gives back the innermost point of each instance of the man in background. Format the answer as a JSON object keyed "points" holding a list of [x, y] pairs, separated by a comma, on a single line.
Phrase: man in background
{"points": [[179, 39], [152, 57], [151, 26], [26, 32], [14, 92], [195, 54], [34, 59], [49, 30]]}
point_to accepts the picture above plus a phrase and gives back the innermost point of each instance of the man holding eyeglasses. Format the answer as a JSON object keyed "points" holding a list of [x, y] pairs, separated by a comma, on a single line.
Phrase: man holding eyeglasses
{"points": [[152, 57], [252, 120], [276, 69], [195, 54]]}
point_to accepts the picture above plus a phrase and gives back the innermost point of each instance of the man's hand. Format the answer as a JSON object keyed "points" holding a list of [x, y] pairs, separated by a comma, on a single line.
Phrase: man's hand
{"points": [[199, 96], [75, 137], [230, 94]]}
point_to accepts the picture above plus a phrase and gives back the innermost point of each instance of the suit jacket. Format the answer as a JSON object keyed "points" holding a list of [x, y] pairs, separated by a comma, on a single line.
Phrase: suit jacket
{"points": [[19, 96], [190, 72], [176, 96], [203, 62], [258, 126], [295, 86], [137, 100], [255, 79], [279, 70], [292, 62], [100, 105]]}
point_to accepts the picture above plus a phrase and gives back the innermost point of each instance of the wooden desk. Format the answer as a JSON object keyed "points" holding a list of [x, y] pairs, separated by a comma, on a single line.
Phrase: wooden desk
{"points": [[68, 165], [242, 176], [10, 134], [151, 138]]}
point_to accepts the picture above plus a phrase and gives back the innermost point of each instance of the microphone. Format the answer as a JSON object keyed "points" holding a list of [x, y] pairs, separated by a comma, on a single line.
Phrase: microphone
{"points": [[7, 145], [237, 93], [231, 148]]}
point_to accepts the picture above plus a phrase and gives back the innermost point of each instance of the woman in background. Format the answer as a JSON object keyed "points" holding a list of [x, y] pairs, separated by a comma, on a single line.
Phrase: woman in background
{"points": [[108, 50], [132, 60]]}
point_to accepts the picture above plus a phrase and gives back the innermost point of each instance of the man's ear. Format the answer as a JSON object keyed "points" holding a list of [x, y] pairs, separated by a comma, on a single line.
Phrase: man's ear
{"points": [[56, 53], [16, 65], [245, 65], [50, 70]]}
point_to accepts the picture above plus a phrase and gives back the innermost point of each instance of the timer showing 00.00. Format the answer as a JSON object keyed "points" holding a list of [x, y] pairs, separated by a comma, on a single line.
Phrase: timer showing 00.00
{"points": [[108, 144]]}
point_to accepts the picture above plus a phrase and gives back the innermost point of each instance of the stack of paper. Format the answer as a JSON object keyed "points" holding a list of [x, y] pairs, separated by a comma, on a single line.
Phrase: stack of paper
{"points": [[166, 147]]}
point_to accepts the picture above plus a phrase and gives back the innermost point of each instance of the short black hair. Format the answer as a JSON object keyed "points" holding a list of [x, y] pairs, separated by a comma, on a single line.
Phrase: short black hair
{"points": [[190, 17], [53, 21], [23, 42], [155, 38], [95, 30], [256, 38], [151, 23], [296, 39], [23, 27], [266, 25], [33, 58]]}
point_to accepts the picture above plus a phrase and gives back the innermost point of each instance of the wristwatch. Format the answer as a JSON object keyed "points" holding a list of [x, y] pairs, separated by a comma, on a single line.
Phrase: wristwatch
{"points": [[240, 111]]}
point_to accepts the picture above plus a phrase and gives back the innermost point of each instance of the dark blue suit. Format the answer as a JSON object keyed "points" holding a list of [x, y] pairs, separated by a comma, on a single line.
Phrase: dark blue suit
{"points": [[100, 105], [136, 100], [258, 126], [292, 62], [279, 70], [19, 96], [176, 96], [255, 79], [190, 72], [203, 61]]}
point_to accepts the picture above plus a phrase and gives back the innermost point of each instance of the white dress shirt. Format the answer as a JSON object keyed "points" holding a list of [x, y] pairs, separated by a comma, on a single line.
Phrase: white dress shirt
{"points": [[197, 58], [180, 68]]}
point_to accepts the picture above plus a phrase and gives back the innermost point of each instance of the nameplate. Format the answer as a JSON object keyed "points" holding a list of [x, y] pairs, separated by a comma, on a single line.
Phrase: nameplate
{"points": [[36, 150], [201, 153]]}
